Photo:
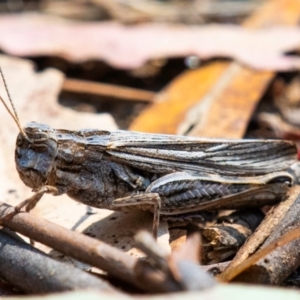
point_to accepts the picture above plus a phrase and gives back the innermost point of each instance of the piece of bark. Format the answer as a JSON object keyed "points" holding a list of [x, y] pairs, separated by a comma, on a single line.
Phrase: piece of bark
{"points": [[32, 271], [283, 261], [230, 233], [272, 219]]}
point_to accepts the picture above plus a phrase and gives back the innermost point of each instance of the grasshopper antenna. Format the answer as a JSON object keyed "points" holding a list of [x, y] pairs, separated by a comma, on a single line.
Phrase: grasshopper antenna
{"points": [[13, 114]]}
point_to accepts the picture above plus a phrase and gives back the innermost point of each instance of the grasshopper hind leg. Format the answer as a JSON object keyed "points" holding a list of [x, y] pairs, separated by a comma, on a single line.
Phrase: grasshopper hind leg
{"points": [[145, 201]]}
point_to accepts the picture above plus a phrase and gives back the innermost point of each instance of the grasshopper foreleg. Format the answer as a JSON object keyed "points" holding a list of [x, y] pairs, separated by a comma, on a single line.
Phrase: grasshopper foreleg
{"points": [[31, 202], [143, 199]]}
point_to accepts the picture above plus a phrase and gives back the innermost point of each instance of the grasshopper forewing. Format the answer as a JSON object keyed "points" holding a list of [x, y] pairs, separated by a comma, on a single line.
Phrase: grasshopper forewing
{"points": [[167, 174]]}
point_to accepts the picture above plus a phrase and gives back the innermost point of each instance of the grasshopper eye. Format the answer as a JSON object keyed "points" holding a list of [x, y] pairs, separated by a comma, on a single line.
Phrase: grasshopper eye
{"points": [[40, 147], [19, 141]]}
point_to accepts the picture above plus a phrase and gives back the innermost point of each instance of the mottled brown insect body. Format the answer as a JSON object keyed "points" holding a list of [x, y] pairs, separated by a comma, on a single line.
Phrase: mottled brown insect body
{"points": [[167, 174]]}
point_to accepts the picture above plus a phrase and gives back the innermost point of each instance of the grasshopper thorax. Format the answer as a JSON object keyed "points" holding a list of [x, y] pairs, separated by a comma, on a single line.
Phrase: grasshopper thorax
{"points": [[35, 154]]}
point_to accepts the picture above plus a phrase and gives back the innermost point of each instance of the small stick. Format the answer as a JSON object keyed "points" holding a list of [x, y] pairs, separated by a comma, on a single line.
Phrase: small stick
{"points": [[146, 243], [32, 271], [109, 90], [89, 250], [79, 246]]}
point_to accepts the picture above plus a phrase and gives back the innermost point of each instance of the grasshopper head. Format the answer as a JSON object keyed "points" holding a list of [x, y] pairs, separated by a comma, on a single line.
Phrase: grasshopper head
{"points": [[35, 154]]}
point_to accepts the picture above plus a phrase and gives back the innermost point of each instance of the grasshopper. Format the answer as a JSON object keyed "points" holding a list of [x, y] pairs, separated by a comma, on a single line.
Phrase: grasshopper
{"points": [[167, 174]]}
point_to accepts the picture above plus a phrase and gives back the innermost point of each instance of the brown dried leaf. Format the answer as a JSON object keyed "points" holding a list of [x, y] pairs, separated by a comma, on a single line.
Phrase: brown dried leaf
{"points": [[228, 93], [131, 46]]}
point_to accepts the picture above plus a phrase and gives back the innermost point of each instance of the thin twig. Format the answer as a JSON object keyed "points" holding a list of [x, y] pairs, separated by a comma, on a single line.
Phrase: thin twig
{"points": [[79, 246], [146, 243], [181, 267], [288, 237], [31, 271], [109, 90], [89, 250]]}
